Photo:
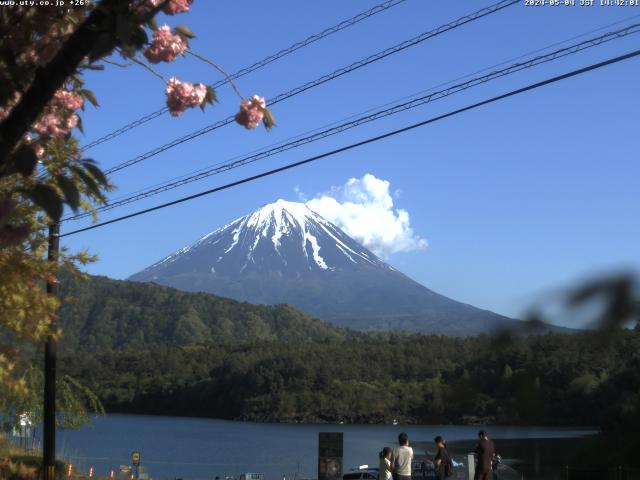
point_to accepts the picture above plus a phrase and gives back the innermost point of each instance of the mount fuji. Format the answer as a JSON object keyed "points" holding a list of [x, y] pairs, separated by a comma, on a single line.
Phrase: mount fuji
{"points": [[287, 253]]}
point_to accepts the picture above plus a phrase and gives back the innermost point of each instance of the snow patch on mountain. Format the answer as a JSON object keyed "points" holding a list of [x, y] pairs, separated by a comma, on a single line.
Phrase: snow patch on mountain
{"points": [[292, 231], [285, 252]]}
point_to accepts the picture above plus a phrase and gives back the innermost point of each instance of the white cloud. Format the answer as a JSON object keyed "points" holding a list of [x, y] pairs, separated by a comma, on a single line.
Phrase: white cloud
{"points": [[363, 208]]}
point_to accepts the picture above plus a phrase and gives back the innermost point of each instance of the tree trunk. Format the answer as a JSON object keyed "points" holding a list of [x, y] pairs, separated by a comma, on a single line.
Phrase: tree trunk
{"points": [[52, 76]]}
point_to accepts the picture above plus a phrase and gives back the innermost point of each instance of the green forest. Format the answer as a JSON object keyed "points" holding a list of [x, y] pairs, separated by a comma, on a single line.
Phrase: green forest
{"points": [[103, 314], [554, 379], [145, 348]]}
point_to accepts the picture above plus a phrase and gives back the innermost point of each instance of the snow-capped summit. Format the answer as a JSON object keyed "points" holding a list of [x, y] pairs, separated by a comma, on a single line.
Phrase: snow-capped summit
{"points": [[283, 237], [286, 253]]}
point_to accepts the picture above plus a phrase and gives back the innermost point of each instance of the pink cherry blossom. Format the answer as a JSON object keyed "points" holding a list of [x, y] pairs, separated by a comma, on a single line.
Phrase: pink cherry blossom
{"points": [[48, 124], [165, 47], [52, 124], [183, 95], [66, 99], [38, 149], [5, 110], [173, 6], [71, 122], [251, 112]]}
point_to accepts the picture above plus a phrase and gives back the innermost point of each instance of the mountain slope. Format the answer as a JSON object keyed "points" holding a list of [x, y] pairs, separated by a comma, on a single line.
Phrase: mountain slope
{"points": [[114, 314], [286, 253]]}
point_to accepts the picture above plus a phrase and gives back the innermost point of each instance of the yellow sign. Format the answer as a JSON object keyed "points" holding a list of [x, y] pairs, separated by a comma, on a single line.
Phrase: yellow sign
{"points": [[135, 458]]}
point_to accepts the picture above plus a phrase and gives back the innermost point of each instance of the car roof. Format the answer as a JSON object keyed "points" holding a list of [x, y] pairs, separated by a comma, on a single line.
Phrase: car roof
{"points": [[359, 473]]}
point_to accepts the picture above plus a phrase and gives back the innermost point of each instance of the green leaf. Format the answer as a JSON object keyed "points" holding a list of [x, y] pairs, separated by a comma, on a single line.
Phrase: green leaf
{"points": [[138, 37], [268, 120], [211, 96], [79, 124], [95, 171], [90, 183], [153, 24], [25, 160], [92, 66], [90, 96], [184, 31], [46, 197], [70, 191]]}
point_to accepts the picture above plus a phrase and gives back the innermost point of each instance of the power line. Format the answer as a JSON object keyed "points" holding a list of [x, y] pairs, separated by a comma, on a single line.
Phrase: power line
{"points": [[406, 97], [257, 65], [505, 62], [376, 138], [325, 78], [339, 128]]}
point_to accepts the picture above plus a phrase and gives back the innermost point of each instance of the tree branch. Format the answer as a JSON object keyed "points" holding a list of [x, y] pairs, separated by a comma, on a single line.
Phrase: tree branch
{"points": [[219, 68], [51, 77], [98, 29], [149, 68]]}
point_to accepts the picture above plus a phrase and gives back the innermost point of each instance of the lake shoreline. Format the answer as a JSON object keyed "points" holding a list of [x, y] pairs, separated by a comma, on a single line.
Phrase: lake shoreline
{"points": [[320, 421], [202, 448]]}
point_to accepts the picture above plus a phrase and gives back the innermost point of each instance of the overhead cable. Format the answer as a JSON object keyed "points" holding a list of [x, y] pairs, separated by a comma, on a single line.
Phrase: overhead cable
{"points": [[370, 117], [257, 65], [323, 79], [367, 141]]}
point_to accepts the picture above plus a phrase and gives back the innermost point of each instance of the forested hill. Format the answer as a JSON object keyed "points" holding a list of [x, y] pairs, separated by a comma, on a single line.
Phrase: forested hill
{"points": [[550, 379], [108, 314], [146, 348]]}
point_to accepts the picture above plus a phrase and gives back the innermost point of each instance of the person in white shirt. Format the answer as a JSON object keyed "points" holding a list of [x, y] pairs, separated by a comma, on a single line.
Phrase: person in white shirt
{"points": [[385, 464], [403, 458]]}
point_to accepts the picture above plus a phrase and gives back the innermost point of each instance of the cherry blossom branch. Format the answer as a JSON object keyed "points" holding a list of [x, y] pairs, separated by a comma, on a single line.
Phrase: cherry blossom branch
{"points": [[144, 65], [219, 68], [47, 80], [117, 64], [89, 35]]}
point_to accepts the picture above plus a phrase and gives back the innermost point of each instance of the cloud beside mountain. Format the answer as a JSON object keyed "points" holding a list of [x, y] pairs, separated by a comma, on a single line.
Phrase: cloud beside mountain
{"points": [[363, 208]]}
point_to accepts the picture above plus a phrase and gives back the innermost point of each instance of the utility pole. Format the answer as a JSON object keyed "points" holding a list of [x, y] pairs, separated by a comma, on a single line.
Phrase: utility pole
{"points": [[49, 421]]}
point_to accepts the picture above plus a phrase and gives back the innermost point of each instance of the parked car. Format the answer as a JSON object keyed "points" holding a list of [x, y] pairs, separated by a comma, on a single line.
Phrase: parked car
{"points": [[423, 470], [361, 474], [252, 476]]}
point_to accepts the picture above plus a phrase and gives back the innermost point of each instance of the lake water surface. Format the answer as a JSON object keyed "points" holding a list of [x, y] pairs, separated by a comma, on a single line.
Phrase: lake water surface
{"points": [[198, 448]]}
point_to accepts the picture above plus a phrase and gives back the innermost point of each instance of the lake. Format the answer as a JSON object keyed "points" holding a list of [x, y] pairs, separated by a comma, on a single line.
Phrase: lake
{"points": [[199, 448]]}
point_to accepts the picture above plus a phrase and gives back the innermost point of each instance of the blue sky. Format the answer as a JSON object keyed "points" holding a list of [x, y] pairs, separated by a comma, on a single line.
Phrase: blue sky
{"points": [[515, 199]]}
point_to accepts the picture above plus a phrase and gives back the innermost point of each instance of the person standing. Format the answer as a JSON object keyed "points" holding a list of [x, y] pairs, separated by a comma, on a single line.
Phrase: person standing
{"points": [[402, 458], [384, 469], [442, 460], [485, 451]]}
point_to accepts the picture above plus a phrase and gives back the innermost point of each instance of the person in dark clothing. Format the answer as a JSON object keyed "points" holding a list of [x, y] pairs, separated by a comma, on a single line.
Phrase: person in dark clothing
{"points": [[485, 451], [442, 460]]}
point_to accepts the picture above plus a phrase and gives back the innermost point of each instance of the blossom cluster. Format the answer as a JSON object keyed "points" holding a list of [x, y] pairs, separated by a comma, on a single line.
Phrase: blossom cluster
{"points": [[45, 48], [5, 110], [58, 119], [65, 99], [172, 6], [55, 124], [251, 112], [165, 46], [183, 95]]}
